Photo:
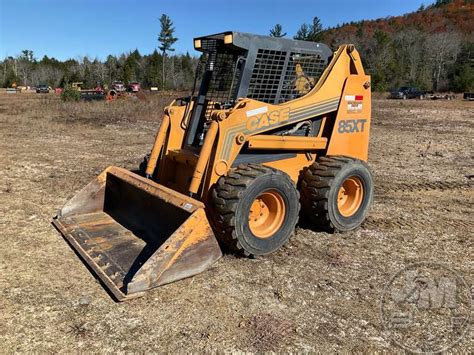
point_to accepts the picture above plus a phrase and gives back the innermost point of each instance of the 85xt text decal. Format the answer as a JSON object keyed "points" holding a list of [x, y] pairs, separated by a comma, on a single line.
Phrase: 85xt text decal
{"points": [[351, 126]]}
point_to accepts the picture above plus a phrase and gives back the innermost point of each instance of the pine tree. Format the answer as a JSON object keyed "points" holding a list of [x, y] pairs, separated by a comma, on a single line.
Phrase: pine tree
{"points": [[316, 30], [166, 39], [310, 32], [154, 62], [277, 31], [440, 3], [360, 29], [302, 33]]}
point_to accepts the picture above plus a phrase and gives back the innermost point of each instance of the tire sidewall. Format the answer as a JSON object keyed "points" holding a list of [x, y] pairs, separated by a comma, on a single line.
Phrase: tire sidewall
{"points": [[284, 186], [341, 222]]}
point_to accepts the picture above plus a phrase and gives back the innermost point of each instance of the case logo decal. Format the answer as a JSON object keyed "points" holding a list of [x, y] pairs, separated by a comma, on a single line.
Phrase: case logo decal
{"points": [[267, 119]]}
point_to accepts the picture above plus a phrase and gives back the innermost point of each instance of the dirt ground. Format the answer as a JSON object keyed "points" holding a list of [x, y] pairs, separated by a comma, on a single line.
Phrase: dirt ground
{"points": [[321, 292]]}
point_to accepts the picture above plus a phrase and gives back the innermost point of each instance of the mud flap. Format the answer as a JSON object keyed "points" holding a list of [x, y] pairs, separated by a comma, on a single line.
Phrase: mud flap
{"points": [[136, 234]]}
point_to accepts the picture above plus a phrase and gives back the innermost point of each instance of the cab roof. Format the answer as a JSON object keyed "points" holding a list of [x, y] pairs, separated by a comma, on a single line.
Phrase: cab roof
{"points": [[248, 41]]}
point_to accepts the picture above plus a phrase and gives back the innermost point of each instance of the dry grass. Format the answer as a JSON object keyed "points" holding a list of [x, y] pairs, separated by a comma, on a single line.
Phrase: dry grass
{"points": [[148, 107], [319, 293]]}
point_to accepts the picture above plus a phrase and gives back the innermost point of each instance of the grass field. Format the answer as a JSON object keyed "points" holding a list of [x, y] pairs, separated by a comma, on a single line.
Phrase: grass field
{"points": [[320, 292]]}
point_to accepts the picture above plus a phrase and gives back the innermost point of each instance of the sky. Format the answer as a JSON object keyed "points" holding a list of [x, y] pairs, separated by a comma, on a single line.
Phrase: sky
{"points": [[71, 28]]}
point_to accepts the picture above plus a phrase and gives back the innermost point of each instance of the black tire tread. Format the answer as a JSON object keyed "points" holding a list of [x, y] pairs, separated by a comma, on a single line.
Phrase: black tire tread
{"points": [[225, 197], [315, 187]]}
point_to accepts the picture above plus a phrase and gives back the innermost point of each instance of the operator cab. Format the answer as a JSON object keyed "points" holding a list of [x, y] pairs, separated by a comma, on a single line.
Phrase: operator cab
{"points": [[237, 65]]}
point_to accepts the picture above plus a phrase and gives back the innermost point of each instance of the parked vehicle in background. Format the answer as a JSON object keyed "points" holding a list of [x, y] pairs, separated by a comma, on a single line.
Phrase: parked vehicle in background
{"points": [[134, 86], [42, 89], [407, 92], [439, 96], [98, 93], [469, 96], [118, 86]]}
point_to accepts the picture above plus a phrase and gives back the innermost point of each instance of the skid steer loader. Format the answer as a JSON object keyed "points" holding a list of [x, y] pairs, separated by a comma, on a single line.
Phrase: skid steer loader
{"points": [[275, 124]]}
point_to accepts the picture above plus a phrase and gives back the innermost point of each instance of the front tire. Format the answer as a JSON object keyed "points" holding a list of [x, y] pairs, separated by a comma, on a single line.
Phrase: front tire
{"points": [[254, 209], [336, 193]]}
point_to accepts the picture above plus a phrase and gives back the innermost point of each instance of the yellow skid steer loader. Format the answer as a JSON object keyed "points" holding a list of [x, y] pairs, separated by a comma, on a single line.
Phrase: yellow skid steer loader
{"points": [[275, 125]]}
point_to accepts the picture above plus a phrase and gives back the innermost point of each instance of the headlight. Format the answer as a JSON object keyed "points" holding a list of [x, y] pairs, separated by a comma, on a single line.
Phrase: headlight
{"points": [[228, 39]]}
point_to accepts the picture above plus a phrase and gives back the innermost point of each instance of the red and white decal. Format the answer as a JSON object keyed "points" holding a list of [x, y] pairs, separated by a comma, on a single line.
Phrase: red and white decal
{"points": [[354, 97], [354, 103]]}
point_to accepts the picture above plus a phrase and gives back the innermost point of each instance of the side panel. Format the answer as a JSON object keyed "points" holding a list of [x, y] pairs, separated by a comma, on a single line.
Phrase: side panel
{"points": [[350, 135], [293, 166]]}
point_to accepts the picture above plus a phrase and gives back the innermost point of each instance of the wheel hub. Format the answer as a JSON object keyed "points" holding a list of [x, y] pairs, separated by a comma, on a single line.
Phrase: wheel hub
{"points": [[350, 196], [267, 214]]}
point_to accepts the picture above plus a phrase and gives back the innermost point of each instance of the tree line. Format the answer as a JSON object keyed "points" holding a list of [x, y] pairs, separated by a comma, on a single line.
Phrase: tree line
{"points": [[27, 70], [394, 54], [441, 61], [432, 49], [158, 69]]}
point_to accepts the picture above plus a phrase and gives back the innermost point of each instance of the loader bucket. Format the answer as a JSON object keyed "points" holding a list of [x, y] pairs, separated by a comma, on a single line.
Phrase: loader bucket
{"points": [[136, 234]]}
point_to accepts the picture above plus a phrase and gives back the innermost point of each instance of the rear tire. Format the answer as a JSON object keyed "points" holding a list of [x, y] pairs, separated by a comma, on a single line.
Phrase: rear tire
{"points": [[336, 193], [254, 209]]}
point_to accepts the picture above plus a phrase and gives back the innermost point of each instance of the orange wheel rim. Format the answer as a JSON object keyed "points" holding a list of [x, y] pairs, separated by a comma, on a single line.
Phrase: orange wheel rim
{"points": [[350, 196], [267, 214]]}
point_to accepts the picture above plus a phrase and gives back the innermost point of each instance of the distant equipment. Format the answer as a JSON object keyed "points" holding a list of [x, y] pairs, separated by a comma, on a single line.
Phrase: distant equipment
{"points": [[134, 87], [42, 89]]}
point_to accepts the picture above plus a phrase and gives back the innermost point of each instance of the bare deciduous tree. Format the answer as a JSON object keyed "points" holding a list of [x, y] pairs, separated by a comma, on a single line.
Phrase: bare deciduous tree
{"points": [[410, 48], [441, 49]]}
